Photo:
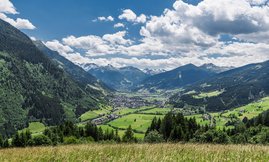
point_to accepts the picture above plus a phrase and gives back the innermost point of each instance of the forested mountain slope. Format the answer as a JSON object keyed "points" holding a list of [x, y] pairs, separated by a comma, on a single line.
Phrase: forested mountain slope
{"points": [[76, 72], [176, 78], [34, 88], [227, 90]]}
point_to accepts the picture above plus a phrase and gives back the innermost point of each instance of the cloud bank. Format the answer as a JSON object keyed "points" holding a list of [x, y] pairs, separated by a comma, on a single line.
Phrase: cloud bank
{"points": [[223, 32]]}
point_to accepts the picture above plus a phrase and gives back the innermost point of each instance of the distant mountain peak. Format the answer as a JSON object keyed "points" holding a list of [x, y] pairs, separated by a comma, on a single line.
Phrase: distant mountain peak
{"points": [[110, 67], [214, 68], [153, 71], [123, 78], [179, 77], [89, 66]]}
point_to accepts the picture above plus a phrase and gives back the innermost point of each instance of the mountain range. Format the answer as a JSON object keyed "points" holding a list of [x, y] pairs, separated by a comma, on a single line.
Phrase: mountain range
{"points": [[175, 78], [121, 79], [133, 79], [231, 89]]}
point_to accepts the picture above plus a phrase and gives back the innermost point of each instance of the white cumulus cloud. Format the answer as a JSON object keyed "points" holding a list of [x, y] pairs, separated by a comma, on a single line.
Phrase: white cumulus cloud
{"points": [[6, 7], [130, 16], [184, 34], [119, 25], [103, 18]]}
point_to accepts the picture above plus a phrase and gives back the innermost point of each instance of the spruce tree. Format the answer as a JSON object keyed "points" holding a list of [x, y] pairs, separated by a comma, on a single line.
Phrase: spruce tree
{"points": [[117, 137], [6, 143], [100, 134], [1, 141], [128, 135], [167, 125]]}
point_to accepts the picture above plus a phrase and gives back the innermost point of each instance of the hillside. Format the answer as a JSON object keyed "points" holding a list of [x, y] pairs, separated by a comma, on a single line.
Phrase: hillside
{"points": [[122, 79], [227, 90], [33, 88], [139, 152], [76, 72], [175, 78]]}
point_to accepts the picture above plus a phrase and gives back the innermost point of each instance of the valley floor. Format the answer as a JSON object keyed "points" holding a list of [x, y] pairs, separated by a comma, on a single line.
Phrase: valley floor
{"points": [[138, 152]]}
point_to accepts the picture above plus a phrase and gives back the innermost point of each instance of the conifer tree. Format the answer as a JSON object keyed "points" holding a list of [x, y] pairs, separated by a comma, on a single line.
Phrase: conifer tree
{"points": [[128, 135], [1, 141]]}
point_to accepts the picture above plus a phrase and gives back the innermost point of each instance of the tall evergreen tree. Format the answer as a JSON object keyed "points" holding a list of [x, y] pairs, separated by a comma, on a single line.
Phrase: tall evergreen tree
{"points": [[128, 135], [167, 125], [1, 141]]}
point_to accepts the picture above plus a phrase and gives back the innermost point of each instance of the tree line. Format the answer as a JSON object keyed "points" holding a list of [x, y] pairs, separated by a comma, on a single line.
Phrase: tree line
{"points": [[68, 133], [177, 128], [172, 128]]}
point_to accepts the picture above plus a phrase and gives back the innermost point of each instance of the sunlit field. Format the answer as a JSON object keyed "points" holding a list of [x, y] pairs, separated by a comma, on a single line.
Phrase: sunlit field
{"points": [[138, 152]]}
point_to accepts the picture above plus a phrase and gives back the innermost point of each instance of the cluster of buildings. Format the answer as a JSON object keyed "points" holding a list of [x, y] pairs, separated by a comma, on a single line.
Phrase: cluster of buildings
{"points": [[129, 102], [104, 119]]}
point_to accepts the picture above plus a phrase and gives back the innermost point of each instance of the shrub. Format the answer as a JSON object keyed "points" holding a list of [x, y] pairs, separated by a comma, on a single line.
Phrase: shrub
{"points": [[153, 137], [71, 140], [41, 140], [87, 139]]}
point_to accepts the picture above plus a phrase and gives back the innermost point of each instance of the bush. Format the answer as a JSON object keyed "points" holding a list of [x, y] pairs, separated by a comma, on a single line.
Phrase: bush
{"points": [[221, 137], [87, 139], [71, 140], [41, 140], [31, 142], [153, 137], [264, 137], [239, 138]]}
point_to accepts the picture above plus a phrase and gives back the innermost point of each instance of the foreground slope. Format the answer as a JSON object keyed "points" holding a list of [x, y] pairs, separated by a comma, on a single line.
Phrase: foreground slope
{"points": [[34, 88], [139, 152], [227, 90]]}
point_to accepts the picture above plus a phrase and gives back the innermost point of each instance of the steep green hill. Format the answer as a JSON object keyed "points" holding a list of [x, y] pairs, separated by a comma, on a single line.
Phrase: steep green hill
{"points": [[34, 88], [76, 72]]}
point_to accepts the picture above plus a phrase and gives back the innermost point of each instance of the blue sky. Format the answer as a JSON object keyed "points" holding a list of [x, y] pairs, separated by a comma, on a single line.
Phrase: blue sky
{"points": [[56, 19], [147, 34]]}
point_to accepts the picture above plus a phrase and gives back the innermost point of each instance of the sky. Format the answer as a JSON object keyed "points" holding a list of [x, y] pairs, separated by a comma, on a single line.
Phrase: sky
{"points": [[155, 34]]}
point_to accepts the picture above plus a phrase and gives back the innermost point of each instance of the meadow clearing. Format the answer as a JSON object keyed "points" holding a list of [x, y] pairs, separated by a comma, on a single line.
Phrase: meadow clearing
{"points": [[138, 152]]}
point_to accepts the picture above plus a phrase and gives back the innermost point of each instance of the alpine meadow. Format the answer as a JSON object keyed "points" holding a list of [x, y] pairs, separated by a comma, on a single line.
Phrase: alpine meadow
{"points": [[154, 80]]}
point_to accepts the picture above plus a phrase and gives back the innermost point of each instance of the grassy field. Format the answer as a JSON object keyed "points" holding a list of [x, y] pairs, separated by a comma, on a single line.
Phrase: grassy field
{"points": [[139, 122], [35, 127], [124, 111], [207, 94], [251, 110], [199, 119], [139, 136], [162, 111], [94, 114], [138, 152]]}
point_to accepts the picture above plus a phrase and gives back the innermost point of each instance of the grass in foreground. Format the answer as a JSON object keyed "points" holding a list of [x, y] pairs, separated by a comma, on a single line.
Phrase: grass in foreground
{"points": [[138, 152]]}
